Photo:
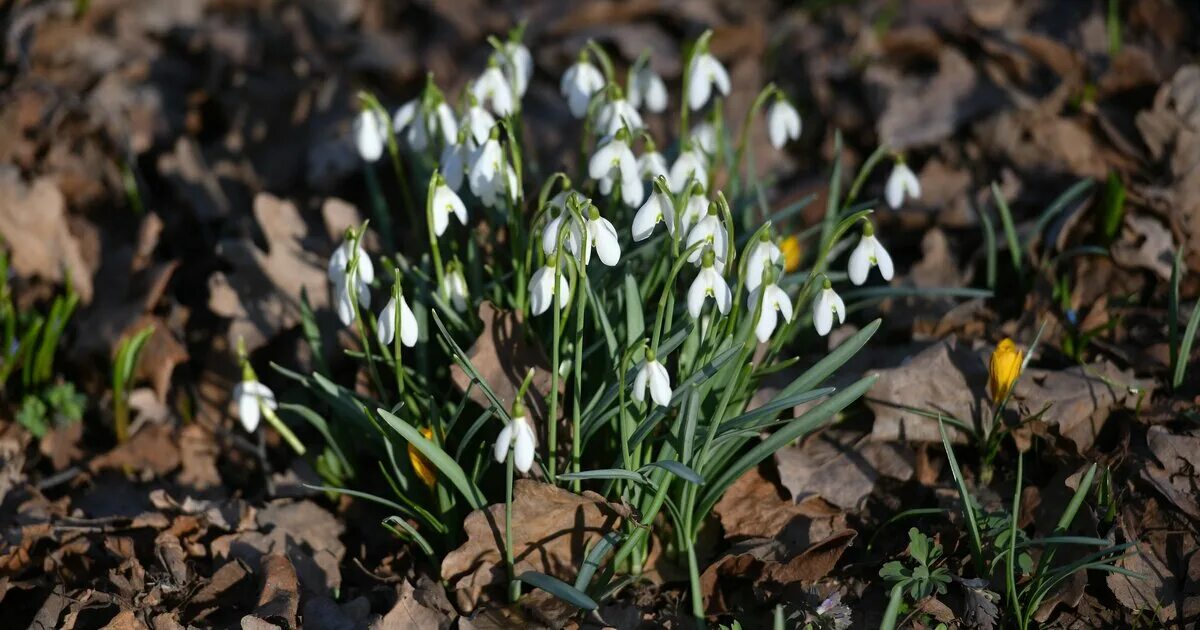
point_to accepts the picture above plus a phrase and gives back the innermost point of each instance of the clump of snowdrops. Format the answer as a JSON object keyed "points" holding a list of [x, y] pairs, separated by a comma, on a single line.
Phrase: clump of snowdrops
{"points": [[661, 298]]}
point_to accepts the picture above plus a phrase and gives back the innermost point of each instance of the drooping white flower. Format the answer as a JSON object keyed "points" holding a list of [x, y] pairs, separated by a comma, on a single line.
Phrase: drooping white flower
{"points": [[691, 165], [578, 84], [657, 208], [614, 161], [653, 376], [446, 122], [646, 87], [517, 62], [868, 253], [783, 123], [480, 122], [385, 329], [774, 303], [490, 175], [705, 72], [710, 231], [417, 125], [571, 240], [651, 164], [453, 163], [827, 304], [762, 253], [446, 202], [454, 287], [708, 283], [704, 135], [901, 182], [370, 134], [600, 234], [616, 115], [542, 290], [519, 436], [251, 397], [338, 272], [492, 90]]}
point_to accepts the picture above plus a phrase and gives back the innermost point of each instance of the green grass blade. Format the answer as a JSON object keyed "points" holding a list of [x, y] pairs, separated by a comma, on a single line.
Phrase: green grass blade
{"points": [[965, 499], [592, 562], [1173, 312], [635, 321], [1185, 347], [1010, 229], [679, 469], [438, 457], [559, 589], [989, 247]]}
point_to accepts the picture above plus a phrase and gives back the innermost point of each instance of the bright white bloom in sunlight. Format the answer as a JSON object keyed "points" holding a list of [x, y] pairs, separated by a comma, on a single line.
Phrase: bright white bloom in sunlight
{"points": [[901, 182], [492, 90], [454, 287], [370, 134], [446, 122], [705, 72], [657, 208], [542, 290], [251, 397], [418, 125], [708, 283], [490, 175], [651, 164], [825, 307], [338, 272], [519, 436], [689, 166], [774, 303], [783, 123], [600, 234], [445, 203], [386, 328], [453, 163], [709, 230], [616, 115], [694, 210], [614, 161], [517, 64], [571, 239], [480, 122], [704, 136], [653, 376], [868, 253], [764, 253], [578, 84], [646, 87]]}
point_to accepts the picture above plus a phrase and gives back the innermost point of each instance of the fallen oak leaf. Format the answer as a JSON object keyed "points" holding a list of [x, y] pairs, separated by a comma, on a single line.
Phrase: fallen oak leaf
{"points": [[771, 567], [33, 222]]}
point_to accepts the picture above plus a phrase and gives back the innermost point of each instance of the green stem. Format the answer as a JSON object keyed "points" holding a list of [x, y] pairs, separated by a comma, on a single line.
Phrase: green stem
{"points": [[282, 428], [514, 585], [577, 398]]}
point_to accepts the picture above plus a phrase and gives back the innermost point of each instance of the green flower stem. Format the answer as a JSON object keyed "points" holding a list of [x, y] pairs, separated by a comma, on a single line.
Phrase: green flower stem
{"points": [[514, 585], [435, 251], [576, 396], [282, 428], [668, 303], [863, 173], [397, 294], [352, 287], [744, 134], [379, 205], [697, 593]]}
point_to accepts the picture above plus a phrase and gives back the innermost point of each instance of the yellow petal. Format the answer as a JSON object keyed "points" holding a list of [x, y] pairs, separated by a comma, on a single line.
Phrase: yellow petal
{"points": [[420, 465], [1003, 369], [791, 253]]}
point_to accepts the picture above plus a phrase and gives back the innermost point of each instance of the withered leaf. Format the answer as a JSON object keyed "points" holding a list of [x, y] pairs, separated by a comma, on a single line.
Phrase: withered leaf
{"points": [[841, 467], [503, 357], [33, 223]]}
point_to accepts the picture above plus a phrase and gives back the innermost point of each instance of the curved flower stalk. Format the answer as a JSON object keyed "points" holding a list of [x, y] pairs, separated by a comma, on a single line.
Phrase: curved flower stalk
{"points": [[868, 253], [902, 182], [579, 83], [783, 122]]}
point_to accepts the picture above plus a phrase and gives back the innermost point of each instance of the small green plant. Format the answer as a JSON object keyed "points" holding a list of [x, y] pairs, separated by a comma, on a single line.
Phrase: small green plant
{"points": [[925, 578], [122, 378]]}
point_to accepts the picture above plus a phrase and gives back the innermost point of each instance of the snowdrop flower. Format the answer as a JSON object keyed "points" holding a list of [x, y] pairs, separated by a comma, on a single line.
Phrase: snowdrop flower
{"points": [[901, 182], [653, 376], [708, 283], [386, 328], [418, 122], [704, 136], [774, 303], [645, 86], [571, 239], [704, 73], [542, 289], [694, 209], [517, 62], [825, 307], [614, 161], [652, 164], [579, 83], [868, 253], [658, 207], [492, 89], [690, 165], [617, 114], [454, 286], [445, 202], [455, 156], [517, 435], [370, 134], [783, 122], [600, 234], [763, 254], [252, 396], [339, 270], [490, 173], [479, 121], [709, 230]]}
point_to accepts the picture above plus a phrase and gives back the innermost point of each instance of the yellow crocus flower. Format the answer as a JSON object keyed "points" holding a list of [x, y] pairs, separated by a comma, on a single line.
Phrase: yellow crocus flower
{"points": [[1003, 369], [423, 468]]}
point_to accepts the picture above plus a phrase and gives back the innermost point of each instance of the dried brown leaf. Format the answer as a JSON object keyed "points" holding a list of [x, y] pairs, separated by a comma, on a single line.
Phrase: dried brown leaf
{"points": [[33, 223]]}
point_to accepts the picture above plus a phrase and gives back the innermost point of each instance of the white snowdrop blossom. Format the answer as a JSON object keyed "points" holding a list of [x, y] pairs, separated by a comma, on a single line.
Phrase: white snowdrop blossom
{"points": [[600, 234], [869, 253], [480, 122], [694, 210], [492, 89], [571, 240], [542, 289], [370, 134], [616, 115], [691, 165], [647, 87], [783, 123], [517, 435], [774, 303], [251, 397], [338, 272], [416, 124], [445, 203], [658, 208], [708, 283], [517, 62], [453, 163], [705, 72], [653, 376], [386, 328], [454, 287], [764, 253], [827, 304], [901, 182], [614, 161], [652, 164], [490, 174], [704, 136], [578, 84], [710, 231]]}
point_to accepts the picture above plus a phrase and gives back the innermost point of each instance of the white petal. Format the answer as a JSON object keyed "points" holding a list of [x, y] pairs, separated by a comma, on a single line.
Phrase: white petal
{"points": [[451, 165], [839, 307], [697, 294], [660, 383], [639, 383], [632, 192], [385, 329], [884, 260], [526, 446], [721, 293], [368, 134], [249, 412], [776, 126], [541, 290], [860, 261], [823, 313], [897, 184], [338, 261], [912, 185], [503, 443], [766, 323], [405, 115], [652, 164], [605, 159], [657, 208], [718, 75], [446, 123], [484, 167], [345, 308], [480, 122], [699, 87], [605, 240], [656, 92], [564, 291], [777, 298]]}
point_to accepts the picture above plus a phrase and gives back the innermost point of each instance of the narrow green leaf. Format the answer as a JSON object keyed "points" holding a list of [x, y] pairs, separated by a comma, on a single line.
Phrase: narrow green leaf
{"points": [[679, 469], [592, 562], [446, 466], [559, 589], [1185, 348], [1010, 229]]}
